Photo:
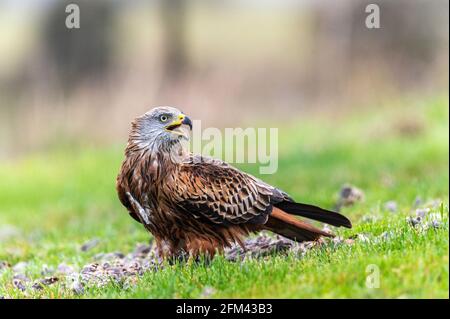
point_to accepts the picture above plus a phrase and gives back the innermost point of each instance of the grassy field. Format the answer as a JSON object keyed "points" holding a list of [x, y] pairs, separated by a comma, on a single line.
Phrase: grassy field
{"points": [[52, 203]]}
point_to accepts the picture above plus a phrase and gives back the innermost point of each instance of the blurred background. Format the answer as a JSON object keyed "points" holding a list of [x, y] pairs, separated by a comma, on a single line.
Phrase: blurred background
{"points": [[229, 63], [362, 108]]}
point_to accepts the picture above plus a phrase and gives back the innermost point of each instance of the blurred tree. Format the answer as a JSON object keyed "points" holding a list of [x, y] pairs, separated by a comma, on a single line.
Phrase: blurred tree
{"points": [[346, 53], [411, 32], [84, 53], [173, 18]]}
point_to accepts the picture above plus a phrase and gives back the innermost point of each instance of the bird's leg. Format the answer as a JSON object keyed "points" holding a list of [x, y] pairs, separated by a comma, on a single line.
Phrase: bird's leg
{"points": [[178, 250], [165, 251], [179, 257], [202, 251], [140, 212], [202, 259]]}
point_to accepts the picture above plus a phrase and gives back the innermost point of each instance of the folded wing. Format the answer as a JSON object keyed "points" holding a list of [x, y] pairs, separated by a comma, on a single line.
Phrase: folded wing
{"points": [[213, 190]]}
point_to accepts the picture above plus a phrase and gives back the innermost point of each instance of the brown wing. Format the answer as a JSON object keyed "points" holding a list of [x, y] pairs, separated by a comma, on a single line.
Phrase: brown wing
{"points": [[122, 188], [125, 202], [213, 189]]}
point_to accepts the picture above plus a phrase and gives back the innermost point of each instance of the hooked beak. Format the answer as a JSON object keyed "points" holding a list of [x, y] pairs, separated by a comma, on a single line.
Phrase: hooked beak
{"points": [[182, 119]]}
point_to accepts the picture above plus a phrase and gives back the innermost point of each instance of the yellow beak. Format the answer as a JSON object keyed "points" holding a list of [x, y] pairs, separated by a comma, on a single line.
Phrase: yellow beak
{"points": [[182, 119]]}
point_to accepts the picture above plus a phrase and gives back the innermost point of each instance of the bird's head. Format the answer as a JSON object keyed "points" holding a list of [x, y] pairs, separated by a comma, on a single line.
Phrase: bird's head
{"points": [[161, 126]]}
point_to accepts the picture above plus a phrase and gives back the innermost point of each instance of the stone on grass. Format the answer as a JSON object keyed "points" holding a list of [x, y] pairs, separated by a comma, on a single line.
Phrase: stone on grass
{"points": [[21, 277], [46, 270], [19, 281], [63, 268], [77, 287], [391, 206], [326, 229], [109, 256], [414, 221], [348, 196], [37, 286], [207, 292], [90, 244], [19, 284], [20, 267], [422, 212], [4, 265], [434, 224], [47, 281], [142, 250]]}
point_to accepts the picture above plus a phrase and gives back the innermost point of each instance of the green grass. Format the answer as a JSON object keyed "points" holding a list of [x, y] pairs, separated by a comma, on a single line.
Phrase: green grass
{"points": [[58, 200]]}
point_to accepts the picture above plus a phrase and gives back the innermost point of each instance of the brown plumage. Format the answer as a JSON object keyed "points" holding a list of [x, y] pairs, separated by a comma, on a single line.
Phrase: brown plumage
{"points": [[195, 204]]}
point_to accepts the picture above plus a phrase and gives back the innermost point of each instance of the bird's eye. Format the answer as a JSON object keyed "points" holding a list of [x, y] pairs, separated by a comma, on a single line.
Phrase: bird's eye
{"points": [[163, 118]]}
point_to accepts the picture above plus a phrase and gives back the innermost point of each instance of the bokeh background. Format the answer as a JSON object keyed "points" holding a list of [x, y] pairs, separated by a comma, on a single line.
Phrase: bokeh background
{"points": [[229, 63], [354, 106]]}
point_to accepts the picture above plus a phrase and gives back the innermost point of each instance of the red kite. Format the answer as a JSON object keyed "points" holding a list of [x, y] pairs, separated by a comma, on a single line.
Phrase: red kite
{"points": [[193, 204]]}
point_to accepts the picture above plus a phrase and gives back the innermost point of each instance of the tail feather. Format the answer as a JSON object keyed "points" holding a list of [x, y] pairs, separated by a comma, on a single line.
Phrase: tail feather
{"points": [[315, 213], [288, 226]]}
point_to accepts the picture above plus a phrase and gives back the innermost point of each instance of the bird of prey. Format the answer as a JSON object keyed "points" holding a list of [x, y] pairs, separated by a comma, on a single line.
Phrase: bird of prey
{"points": [[199, 205]]}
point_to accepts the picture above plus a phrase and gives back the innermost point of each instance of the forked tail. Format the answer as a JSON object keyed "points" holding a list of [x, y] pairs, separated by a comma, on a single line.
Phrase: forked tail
{"points": [[284, 224]]}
